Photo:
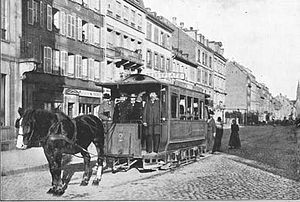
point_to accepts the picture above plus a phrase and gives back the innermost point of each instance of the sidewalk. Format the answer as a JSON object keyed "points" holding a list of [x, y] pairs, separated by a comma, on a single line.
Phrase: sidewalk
{"points": [[19, 161]]}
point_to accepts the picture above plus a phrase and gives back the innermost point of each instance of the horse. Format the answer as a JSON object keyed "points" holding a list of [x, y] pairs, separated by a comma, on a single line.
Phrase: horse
{"points": [[58, 134]]}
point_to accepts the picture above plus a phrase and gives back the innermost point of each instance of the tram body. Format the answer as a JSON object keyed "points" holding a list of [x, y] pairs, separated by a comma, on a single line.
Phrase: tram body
{"points": [[183, 124]]}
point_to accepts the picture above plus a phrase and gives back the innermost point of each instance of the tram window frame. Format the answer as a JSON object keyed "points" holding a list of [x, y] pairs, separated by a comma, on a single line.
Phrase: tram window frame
{"points": [[174, 105], [189, 108], [196, 109], [182, 116], [201, 109]]}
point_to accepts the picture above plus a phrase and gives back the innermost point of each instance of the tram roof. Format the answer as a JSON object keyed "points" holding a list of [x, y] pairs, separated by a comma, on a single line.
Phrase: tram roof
{"points": [[133, 79]]}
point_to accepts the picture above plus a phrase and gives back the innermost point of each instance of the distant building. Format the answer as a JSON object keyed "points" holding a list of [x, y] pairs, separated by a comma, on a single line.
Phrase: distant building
{"points": [[285, 112]]}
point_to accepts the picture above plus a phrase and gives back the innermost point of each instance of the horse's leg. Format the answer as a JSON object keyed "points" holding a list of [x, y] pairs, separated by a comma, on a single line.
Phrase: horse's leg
{"points": [[54, 160], [100, 152], [87, 171]]}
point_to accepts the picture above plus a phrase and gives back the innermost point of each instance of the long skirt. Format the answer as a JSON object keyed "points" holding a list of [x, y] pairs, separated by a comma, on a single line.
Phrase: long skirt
{"points": [[235, 141]]}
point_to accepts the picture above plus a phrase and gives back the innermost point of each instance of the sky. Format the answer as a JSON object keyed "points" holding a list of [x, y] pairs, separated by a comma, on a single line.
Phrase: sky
{"points": [[262, 35]]}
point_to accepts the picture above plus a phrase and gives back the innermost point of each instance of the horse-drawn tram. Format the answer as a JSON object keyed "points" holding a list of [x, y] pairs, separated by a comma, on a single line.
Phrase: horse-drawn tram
{"points": [[155, 123]]}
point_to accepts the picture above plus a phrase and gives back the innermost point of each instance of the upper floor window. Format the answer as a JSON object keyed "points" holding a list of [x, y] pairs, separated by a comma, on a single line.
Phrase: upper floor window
{"points": [[49, 17], [149, 58], [56, 58], [168, 65], [156, 61], [156, 35], [71, 26], [149, 31], [110, 7], [4, 19], [3, 98], [71, 64], [210, 61], [126, 14], [42, 20], [133, 17], [199, 56], [63, 62], [48, 59], [139, 21], [97, 68], [30, 16], [118, 10], [78, 65]]}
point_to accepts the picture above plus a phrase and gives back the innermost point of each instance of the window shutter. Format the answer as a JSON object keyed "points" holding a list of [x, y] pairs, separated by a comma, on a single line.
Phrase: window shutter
{"points": [[30, 12], [79, 32]]}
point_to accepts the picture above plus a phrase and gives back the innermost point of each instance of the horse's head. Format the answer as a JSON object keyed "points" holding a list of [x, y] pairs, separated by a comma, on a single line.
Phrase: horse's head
{"points": [[35, 125]]}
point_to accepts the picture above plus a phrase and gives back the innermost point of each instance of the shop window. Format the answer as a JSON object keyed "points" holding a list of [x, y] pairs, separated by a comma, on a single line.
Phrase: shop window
{"points": [[2, 99], [182, 107], [174, 101], [85, 109]]}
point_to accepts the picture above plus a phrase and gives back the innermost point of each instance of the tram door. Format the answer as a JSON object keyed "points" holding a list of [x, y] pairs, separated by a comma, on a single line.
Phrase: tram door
{"points": [[164, 118]]}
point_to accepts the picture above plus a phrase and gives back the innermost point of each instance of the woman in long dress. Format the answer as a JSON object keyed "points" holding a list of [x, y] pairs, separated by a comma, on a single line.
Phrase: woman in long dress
{"points": [[234, 141]]}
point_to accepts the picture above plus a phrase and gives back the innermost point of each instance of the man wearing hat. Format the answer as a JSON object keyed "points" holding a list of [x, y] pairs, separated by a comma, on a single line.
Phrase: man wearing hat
{"points": [[105, 108]]}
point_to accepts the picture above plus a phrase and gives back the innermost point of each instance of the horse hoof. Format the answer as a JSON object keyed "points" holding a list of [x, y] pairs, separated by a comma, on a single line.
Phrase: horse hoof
{"points": [[59, 192], [84, 183], [96, 182]]}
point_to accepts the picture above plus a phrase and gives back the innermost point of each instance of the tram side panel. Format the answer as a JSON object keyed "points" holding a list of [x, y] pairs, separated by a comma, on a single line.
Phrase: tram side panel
{"points": [[124, 141], [186, 134]]}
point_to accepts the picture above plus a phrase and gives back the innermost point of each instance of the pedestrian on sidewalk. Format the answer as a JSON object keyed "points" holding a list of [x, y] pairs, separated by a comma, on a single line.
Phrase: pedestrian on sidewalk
{"points": [[234, 141], [19, 131], [211, 131], [219, 135]]}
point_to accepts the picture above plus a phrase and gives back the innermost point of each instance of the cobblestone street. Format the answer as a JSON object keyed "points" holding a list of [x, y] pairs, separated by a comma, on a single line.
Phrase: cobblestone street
{"points": [[217, 177]]}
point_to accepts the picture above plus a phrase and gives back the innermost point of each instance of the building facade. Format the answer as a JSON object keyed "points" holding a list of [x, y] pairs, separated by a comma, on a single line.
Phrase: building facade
{"points": [[68, 56], [10, 76], [157, 45], [125, 34]]}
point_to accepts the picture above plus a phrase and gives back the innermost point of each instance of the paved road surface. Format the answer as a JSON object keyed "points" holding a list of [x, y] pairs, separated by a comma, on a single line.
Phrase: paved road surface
{"points": [[216, 177]]}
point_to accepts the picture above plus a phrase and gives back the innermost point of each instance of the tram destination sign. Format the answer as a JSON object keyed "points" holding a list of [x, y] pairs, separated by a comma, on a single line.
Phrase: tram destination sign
{"points": [[167, 75]]}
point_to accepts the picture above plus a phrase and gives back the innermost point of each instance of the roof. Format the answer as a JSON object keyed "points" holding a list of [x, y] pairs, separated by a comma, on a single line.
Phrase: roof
{"points": [[133, 79]]}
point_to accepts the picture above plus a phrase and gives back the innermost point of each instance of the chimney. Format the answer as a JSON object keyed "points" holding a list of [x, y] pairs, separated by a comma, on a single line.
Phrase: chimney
{"points": [[174, 20], [182, 25], [154, 14], [148, 10]]}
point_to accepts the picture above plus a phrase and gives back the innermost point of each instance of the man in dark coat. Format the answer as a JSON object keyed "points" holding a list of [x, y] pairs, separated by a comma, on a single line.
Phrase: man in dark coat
{"points": [[151, 121]]}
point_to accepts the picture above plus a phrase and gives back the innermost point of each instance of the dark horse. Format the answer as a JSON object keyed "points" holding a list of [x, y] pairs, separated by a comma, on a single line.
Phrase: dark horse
{"points": [[58, 134]]}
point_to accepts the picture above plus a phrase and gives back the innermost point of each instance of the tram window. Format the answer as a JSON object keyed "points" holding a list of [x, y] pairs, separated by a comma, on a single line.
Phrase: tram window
{"points": [[182, 107], [201, 109], [196, 109], [189, 108], [174, 101]]}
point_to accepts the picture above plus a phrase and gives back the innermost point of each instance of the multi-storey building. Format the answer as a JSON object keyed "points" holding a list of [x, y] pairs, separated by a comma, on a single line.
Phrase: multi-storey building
{"points": [[63, 41], [157, 44], [10, 79], [125, 34], [285, 112], [219, 77], [238, 89]]}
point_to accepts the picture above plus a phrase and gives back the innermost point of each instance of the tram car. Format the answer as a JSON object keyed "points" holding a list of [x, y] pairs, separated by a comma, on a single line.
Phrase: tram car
{"points": [[180, 131]]}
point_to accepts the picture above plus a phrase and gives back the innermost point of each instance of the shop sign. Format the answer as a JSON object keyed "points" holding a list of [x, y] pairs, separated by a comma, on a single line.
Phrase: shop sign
{"points": [[167, 75], [85, 93]]}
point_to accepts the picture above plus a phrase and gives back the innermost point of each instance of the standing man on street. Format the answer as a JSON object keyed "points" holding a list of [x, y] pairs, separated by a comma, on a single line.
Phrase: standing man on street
{"points": [[211, 131], [219, 135], [151, 121]]}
